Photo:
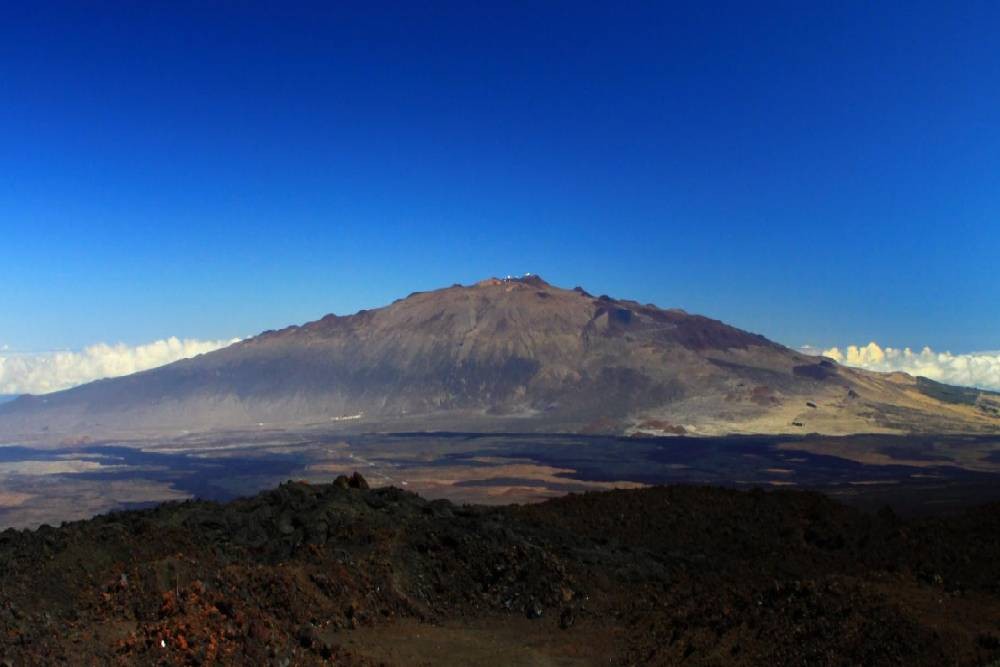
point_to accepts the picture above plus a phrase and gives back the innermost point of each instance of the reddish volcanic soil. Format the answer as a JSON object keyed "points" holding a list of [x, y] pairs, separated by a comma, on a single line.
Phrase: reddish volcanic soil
{"points": [[341, 574]]}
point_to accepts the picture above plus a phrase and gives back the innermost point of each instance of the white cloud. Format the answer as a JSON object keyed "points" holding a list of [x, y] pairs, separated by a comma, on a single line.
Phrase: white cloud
{"points": [[975, 369], [41, 373]]}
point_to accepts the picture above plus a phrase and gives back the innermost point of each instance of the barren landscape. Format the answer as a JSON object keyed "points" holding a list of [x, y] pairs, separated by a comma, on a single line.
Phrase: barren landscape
{"points": [[309, 574], [508, 355], [913, 474], [503, 334]]}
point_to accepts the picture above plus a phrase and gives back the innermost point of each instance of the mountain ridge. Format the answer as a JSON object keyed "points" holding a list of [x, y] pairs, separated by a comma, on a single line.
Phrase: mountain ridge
{"points": [[506, 354]]}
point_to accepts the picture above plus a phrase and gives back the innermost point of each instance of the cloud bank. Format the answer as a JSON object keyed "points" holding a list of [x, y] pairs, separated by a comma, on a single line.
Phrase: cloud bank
{"points": [[975, 369], [44, 372]]}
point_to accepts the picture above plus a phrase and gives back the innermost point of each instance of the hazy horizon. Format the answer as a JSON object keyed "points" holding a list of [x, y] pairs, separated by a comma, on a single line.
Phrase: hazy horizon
{"points": [[40, 372]]}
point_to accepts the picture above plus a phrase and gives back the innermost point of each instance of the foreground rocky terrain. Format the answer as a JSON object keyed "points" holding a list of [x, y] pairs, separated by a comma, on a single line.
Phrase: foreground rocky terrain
{"points": [[514, 355], [343, 574]]}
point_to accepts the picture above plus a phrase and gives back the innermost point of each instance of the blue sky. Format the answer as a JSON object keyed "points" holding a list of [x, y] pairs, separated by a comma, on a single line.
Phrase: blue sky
{"points": [[822, 175]]}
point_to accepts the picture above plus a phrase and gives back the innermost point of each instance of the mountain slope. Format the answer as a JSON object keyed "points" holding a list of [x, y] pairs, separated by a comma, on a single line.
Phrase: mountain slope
{"points": [[514, 354], [342, 574]]}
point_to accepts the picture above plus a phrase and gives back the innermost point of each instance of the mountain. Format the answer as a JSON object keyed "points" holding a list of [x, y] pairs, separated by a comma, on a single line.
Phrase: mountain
{"points": [[506, 355], [4, 398]]}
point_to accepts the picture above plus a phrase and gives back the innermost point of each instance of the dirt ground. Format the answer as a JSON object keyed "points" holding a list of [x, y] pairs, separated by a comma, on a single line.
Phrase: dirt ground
{"points": [[342, 574]]}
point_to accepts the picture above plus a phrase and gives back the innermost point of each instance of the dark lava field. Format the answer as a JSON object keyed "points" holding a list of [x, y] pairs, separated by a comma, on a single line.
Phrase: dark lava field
{"points": [[339, 573]]}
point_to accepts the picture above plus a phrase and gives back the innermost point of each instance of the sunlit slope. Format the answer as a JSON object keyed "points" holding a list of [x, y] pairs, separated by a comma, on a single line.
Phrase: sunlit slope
{"points": [[506, 355]]}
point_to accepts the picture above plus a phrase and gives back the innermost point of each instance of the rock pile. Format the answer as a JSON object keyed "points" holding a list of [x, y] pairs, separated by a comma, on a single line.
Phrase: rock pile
{"points": [[663, 576]]}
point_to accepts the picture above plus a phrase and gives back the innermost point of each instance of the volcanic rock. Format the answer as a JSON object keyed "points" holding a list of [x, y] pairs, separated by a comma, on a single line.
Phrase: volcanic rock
{"points": [[513, 354]]}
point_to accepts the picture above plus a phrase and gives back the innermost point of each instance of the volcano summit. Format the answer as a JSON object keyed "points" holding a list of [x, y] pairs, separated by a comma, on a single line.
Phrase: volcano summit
{"points": [[514, 354]]}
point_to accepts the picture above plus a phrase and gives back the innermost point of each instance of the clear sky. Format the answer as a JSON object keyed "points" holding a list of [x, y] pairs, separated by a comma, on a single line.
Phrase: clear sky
{"points": [[822, 175]]}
